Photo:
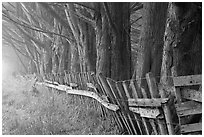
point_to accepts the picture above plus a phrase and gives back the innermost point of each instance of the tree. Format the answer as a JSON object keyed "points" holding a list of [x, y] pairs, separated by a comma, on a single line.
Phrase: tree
{"points": [[113, 40], [154, 19], [182, 48]]}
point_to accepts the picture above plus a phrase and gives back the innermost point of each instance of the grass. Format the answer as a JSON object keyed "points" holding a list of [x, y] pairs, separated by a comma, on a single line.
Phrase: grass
{"points": [[42, 111]]}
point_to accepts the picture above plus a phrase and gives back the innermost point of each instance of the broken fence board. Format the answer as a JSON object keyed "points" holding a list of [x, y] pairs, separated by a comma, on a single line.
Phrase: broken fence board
{"points": [[84, 93], [191, 128], [187, 105], [154, 92], [192, 94], [123, 96], [107, 90], [146, 112], [114, 91], [187, 80], [136, 116], [192, 111], [153, 102]]}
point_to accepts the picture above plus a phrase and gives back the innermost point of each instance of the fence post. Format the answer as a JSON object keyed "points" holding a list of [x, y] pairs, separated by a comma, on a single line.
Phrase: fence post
{"points": [[176, 90], [167, 112], [151, 81]]}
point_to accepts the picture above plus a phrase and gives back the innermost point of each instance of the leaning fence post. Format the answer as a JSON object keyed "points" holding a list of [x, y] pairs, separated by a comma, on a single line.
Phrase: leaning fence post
{"points": [[167, 112], [151, 81], [176, 90]]}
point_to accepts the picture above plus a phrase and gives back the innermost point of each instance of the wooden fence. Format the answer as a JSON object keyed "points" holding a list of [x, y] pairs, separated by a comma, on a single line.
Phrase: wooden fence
{"points": [[133, 111], [188, 92]]}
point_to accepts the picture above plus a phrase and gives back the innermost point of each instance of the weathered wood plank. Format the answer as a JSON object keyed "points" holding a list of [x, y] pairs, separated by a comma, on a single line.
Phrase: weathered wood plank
{"points": [[151, 81], [136, 92], [146, 112], [136, 116], [188, 112], [98, 90], [176, 90], [146, 102], [192, 94], [114, 91], [167, 111], [83, 93], [187, 105], [146, 120], [191, 128], [70, 78], [123, 96], [153, 124], [154, 92], [103, 83], [66, 78], [187, 80]]}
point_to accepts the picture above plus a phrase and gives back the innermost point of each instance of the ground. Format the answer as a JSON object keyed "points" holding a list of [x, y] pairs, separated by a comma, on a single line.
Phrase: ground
{"points": [[42, 111]]}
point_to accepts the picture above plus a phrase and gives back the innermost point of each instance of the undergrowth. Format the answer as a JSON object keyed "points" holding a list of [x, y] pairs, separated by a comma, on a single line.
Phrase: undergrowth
{"points": [[43, 111]]}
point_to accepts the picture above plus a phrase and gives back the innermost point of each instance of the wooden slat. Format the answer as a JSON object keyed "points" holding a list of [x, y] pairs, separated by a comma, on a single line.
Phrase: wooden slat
{"points": [[153, 124], [70, 78], [154, 92], [66, 78], [176, 90], [168, 113], [89, 81], [125, 104], [187, 80], [187, 105], [85, 80], [147, 122], [84, 93], [102, 91], [78, 80], [61, 80], [136, 116], [146, 102], [151, 81], [134, 90], [136, 93], [191, 128], [123, 96], [120, 102], [107, 90], [102, 109], [193, 111], [146, 112], [192, 94]]}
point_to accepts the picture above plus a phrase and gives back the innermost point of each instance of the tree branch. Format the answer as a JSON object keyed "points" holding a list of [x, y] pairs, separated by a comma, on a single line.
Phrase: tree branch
{"points": [[85, 6], [37, 29], [135, 20], [136, 8], [84, 18]]}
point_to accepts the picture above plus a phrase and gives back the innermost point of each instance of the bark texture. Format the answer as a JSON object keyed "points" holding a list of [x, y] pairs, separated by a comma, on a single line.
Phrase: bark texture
{"points": [[113, 40], [154, 19]]}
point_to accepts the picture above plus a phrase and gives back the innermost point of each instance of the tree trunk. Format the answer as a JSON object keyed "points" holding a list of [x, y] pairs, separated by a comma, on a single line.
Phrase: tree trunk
{"points": [[187, 51], [169, 43], [113, 40], [102, 41], [154, 19], [120, 44]]}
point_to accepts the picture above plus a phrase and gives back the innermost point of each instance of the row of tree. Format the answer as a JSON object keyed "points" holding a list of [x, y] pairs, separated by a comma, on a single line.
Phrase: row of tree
{"points": [[119, 40]]}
